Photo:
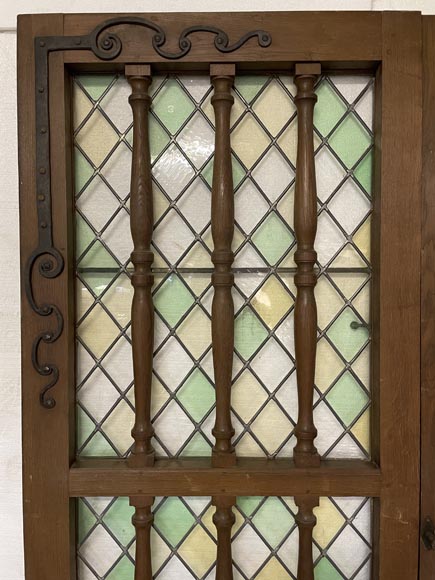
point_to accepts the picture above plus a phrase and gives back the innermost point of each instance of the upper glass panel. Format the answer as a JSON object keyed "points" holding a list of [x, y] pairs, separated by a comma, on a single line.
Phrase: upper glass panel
{"points": [[264, 140]]}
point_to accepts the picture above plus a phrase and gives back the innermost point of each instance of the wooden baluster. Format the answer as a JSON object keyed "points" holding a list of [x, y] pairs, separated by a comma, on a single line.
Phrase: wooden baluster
{"points": [[306, 520], [222, 226], [142, 521], [305, 217], [141, 223], [224, 519]]}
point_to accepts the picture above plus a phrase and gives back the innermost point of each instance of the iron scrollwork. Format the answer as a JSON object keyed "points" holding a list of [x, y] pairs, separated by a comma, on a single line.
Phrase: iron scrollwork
{"points": [[106, 45]]}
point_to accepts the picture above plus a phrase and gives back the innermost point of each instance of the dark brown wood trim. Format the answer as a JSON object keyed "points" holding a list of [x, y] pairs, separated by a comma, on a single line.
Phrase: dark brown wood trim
{"points": [[222, 228], [224, 520], [399, 343], [305, 219], [306, 520], [196, 476], [350, 39], [48, 434], [141, 223], [427, 557], [142, 521]]}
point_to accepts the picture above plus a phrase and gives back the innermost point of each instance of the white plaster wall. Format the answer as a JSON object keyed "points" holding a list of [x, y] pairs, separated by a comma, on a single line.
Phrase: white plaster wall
{"points": [[11, 545]]}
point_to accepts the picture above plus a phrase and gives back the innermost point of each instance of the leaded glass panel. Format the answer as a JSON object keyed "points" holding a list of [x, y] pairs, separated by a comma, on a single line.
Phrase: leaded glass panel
{"points": [[263, 135], [264, 539]]}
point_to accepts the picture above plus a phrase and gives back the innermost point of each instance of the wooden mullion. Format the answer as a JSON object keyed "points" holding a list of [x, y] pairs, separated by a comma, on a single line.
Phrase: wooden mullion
{"points": [[222, 228], [224, 520], [141, 222], [306, 520], [142, 521], [305, 218]]}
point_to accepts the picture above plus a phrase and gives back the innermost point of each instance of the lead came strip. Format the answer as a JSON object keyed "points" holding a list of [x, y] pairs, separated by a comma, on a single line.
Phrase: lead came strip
{"points": [[305, 220], [141, 223], [222, 226]]}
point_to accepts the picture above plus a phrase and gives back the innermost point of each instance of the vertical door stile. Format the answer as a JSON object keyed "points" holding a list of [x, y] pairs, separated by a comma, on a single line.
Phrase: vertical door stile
{"points": [[224, 519], [306, 520], [305, 220], [141, 223], [222, 226], [142, 521]]}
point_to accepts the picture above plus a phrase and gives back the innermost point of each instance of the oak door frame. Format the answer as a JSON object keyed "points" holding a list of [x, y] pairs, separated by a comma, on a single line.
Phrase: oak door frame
{"points": [[390, 43]]}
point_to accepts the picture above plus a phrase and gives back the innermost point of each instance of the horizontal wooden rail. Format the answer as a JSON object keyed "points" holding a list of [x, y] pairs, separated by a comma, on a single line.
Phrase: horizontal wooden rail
{"points": [[196, 476]]}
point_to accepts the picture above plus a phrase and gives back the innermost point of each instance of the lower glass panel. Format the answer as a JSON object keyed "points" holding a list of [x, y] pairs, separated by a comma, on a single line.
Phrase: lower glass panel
{"points": [[264, 541]]}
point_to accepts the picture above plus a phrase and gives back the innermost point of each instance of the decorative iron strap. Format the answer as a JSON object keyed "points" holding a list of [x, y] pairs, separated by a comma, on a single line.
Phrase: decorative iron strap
{"points": [[106, 46]]}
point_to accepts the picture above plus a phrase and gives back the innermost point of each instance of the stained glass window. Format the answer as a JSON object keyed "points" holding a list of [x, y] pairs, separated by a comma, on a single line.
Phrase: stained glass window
{"points": [[183, 539], [263, 137]]}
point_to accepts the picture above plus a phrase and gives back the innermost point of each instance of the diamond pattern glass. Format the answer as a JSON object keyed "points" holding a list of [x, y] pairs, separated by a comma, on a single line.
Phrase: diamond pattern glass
{"points": [[264, 539], [264, 140]]}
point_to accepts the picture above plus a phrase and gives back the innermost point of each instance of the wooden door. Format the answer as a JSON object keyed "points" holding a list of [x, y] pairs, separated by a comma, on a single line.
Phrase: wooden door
{"points": [[221, 243]]}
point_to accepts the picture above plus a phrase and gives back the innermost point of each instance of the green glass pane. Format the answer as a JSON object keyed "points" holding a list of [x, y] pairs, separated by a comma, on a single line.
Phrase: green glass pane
{"points": [[172, 106], [350, 140], [197, 447], [249, 333], [158, 138], [124, 570], [197, 395], [249, 86], [98, 446], [95, 85], [97, 282], [329, 108], [273, 238], [238, 172], [364, 172], [248, 504], [86, 520], [348, 340], [97, 256], [84, 427], [173, 520], [118, 519], [83, 171], [347, 398], [324, 570], [273, 521], [173, 299]]}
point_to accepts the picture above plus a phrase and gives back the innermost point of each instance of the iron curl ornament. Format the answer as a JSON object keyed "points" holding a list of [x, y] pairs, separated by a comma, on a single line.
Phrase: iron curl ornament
{"points": [[105, 45]]}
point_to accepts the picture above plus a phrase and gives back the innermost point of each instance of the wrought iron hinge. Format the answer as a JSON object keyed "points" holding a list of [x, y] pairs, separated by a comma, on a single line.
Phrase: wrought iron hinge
{"points": [[428, 534]]}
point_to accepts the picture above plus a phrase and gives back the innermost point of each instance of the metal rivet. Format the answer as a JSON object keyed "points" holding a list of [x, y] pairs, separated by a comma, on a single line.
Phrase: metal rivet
{"points": [[42, 170], [43, 130], [41, 197], [42, 43], [78, 41], [41, 89], [43, 225]]}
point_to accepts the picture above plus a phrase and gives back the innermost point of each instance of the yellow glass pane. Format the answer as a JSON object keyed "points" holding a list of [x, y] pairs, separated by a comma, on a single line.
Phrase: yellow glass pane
{"points": [[249, 141]]}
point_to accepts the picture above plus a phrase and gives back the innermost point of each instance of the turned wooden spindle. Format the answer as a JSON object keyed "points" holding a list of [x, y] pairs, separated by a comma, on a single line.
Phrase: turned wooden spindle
{"points": [[305, 220], [222, 227], [141, 223], [306, 520], [224, 519], [142, 521]]}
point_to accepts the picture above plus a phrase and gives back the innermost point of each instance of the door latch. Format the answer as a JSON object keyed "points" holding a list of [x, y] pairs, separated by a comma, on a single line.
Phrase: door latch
{"points": [[428, 534]]}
